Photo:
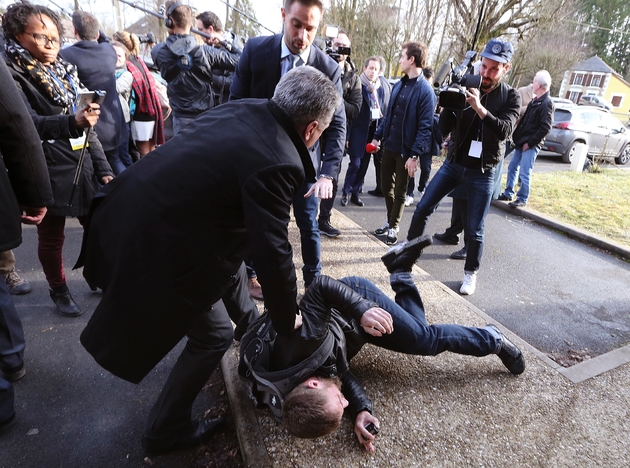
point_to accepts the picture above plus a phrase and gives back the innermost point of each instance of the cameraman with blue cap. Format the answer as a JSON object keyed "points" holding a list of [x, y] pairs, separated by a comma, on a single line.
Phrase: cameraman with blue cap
{"points": [[477, 146]]}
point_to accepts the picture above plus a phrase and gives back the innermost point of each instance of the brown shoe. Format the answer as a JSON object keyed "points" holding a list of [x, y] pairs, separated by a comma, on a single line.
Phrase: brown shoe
{"points": [[255, 290]]}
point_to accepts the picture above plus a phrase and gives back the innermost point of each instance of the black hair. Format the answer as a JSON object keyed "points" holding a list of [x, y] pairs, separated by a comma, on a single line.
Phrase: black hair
{"points": [[17, 15]]}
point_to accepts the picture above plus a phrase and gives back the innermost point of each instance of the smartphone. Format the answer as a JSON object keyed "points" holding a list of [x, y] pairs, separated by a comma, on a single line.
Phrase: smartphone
{"points": [[371, 428], [88, 97]]}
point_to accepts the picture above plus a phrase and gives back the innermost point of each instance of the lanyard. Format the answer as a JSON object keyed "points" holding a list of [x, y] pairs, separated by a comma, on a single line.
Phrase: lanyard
{"points": [[61, 85]]}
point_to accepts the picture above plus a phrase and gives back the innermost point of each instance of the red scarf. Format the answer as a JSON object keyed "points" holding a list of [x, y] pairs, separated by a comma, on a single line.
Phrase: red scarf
{"points": [[148, 99]]}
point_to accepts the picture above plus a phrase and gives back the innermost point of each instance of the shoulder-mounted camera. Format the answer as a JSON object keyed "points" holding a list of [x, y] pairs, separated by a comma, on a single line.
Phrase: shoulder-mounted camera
{"points": [[451, 83], [325, 43]]}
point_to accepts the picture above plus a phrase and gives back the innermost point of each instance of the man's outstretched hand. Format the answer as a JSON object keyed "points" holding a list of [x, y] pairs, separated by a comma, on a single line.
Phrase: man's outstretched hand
{"points": [[377, 322], [365, 438]]}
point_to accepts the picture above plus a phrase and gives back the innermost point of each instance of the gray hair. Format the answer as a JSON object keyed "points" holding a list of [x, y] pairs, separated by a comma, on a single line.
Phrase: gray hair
{"points": [[543, 78], [305, 95]]}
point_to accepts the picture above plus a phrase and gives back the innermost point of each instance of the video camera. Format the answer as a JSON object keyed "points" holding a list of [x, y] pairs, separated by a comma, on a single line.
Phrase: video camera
{"points": [[148, 38], [330, 34], [452, 92]]}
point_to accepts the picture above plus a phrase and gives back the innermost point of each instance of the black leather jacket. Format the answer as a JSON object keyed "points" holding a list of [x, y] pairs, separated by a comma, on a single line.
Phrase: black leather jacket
{"points": [[329, 306], [190, 90]]}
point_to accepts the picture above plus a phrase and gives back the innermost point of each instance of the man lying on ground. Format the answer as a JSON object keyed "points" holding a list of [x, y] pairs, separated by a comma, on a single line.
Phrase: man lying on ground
{"points": [[304, 377]]}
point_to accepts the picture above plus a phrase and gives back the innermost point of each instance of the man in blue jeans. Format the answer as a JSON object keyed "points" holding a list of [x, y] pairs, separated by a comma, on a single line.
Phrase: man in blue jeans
{"points": [[354, 311], [478, 138], [528, 139]]}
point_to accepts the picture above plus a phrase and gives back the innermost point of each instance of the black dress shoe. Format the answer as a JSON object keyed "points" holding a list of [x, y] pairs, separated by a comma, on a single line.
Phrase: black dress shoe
{"points": [[453, 240], [510, 355], [376, 193], [401, 259], [65, 303], [503, 197], [356, 200], [460, 254], [344, 200], [201, 431]]}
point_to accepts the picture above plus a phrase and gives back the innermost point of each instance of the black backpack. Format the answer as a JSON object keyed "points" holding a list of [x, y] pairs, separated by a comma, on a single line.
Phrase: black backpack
{"points": [[271, 388]]}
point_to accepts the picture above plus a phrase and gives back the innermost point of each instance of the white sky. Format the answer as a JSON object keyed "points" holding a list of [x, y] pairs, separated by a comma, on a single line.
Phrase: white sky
{"points": [[267, 11]]}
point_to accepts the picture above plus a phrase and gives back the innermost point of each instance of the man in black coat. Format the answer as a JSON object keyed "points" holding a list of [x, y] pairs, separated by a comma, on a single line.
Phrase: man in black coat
{"points": [[25, 191], [167, 239], [96, 64], [528, 138], [264, 61]]}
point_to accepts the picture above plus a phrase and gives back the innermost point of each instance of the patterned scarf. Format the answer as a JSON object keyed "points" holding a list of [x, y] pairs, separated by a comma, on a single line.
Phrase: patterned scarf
{"points": [[58, 81], [372, 88]]}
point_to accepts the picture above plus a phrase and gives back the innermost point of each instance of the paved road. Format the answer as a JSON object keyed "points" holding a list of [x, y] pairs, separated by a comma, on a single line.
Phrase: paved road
{"points": [[556, 293]]}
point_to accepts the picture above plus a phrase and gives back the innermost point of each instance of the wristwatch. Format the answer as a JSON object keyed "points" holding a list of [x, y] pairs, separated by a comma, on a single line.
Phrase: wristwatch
{"points": [[415, 158], [325, 176]]}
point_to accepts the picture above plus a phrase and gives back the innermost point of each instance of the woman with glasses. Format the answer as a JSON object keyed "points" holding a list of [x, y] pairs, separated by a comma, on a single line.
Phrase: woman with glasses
{"points": [[50, 88]]}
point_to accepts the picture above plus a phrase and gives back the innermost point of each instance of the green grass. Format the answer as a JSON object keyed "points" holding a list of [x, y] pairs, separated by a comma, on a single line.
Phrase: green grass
{"points": [[595, 202]]}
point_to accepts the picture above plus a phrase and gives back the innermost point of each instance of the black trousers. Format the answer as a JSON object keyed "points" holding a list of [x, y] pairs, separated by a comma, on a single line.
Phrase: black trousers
{"points": [[208, 340]]}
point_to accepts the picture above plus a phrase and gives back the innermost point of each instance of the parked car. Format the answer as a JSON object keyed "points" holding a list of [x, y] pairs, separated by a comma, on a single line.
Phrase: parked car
{"points": [[559, 102], [604, 134], [589, 100]]}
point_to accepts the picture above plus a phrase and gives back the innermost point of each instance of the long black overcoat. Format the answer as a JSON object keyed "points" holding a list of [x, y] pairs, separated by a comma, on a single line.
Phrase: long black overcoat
{"points": [[167, 234]]}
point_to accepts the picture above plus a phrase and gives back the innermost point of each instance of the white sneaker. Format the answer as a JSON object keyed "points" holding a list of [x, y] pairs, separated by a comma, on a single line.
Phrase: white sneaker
{"points": [[408, 200], [469, 284]]}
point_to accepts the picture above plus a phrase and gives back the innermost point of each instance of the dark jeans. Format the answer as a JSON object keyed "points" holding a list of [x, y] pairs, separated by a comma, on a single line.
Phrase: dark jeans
{"points": [[305, 211], [425, 173], [478, 185], [459, 219], [11, 348], [123, 147], [207, 342], [412, 334], [50, 234]]}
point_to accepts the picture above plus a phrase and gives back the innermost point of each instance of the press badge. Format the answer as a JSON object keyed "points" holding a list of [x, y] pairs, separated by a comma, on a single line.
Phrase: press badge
{"points": [[376, 113], [77, 143], [475, 149]]}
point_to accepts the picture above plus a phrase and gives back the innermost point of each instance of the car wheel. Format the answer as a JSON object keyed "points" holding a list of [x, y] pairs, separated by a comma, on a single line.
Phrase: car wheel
{"points": [[624, 156], [567, 157]]}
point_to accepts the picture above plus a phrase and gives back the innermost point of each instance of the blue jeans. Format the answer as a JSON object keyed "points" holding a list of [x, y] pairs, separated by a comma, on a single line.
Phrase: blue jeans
{"points": [[478, 185], [412, 334], [525, 161], [305, 211]]}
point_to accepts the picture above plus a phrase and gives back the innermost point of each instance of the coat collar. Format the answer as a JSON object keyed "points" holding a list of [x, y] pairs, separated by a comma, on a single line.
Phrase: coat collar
{"points": [[283, 119]]}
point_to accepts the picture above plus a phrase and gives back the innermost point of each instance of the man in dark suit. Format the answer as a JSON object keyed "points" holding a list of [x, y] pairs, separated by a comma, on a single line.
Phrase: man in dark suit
{"points": [[96, 64], [264, 61], [167, 238], [24, 188]]}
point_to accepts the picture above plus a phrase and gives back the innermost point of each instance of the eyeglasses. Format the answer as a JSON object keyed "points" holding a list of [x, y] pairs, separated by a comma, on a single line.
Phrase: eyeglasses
{"points": [[43, 40]]}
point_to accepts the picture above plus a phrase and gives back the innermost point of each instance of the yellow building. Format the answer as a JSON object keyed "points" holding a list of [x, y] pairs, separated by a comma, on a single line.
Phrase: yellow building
{"points": [[593, 77]]}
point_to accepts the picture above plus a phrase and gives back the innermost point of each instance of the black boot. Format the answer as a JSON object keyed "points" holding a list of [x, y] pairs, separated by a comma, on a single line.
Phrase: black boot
{"points": [[401, 259], [65, 303]]}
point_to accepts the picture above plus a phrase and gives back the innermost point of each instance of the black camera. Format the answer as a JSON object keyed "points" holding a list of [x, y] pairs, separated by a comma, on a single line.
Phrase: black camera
{"points": [[330, 34], [451, 88], [148, 38]]}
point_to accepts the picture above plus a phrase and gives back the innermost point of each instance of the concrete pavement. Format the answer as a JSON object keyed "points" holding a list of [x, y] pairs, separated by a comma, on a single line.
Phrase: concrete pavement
{"points": [[452, 410]]}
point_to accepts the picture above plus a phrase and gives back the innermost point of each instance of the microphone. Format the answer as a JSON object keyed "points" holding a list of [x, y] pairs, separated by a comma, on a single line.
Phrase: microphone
{"points": [[441, 75], [370, 148]]}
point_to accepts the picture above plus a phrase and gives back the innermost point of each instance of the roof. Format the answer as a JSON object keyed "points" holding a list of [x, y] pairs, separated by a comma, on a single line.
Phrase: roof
{"points": [[594, 64]]}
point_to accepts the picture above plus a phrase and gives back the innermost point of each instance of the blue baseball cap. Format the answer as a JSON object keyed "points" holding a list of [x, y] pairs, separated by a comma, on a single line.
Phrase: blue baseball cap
{"points": [[498, 50]]}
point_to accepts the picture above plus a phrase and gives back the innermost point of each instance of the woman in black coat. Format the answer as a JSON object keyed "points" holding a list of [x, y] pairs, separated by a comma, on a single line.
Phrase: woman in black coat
{"points": [[50, 87]]}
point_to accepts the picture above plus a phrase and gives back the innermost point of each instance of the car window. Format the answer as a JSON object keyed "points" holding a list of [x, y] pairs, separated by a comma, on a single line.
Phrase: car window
{"points": [[592, 119], [561, 115], [611, 122]]}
